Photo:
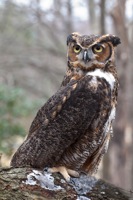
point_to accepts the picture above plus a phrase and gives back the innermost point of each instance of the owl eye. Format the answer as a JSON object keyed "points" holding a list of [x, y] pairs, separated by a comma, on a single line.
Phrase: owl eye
{"points": [[77, 48], [97, 48]]}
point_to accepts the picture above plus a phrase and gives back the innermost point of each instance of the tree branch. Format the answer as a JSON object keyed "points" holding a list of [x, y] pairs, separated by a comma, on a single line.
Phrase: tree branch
{"points": [[26, 183]]}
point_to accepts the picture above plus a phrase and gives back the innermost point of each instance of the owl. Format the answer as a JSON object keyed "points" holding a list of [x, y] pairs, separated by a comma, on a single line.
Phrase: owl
{"points": [[71, 132]]}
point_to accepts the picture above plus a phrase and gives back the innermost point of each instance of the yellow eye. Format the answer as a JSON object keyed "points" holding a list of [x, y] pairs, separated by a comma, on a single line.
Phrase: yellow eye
{"points": [[97, 48], [77, 48]]}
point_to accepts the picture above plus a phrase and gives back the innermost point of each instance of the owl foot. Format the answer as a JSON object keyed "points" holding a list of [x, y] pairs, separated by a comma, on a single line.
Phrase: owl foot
{"points": [[65, 172]]}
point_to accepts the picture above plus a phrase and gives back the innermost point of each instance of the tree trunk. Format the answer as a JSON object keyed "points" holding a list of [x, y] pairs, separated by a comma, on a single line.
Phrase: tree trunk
{"points": [[69, 18], [102, 17], [91, 15], [120, 149], [26, 183]]}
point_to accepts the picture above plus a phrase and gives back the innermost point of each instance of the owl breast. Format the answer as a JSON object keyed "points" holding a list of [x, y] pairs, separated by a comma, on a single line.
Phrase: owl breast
{"points": [[111, 81], [108, 125], [106, 75], [87, 151]]}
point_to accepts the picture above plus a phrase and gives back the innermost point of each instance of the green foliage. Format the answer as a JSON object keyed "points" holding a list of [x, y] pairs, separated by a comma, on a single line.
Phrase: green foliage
{"points": [[14, 106]]}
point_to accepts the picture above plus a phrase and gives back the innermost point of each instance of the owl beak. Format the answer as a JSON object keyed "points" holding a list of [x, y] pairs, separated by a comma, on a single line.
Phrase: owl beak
{"points": [[86, 56]]}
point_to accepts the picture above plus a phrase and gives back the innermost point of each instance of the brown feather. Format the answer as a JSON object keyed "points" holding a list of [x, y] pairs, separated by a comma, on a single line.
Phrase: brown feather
{"points": [[72, 129]]}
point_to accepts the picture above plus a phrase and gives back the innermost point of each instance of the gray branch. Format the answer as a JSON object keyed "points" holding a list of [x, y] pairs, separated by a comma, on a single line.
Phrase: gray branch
{"points": [[27, 183]]}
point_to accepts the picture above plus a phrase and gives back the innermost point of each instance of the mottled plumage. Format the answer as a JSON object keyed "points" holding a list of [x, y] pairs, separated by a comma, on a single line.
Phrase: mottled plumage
{"points": [[71, 132]]}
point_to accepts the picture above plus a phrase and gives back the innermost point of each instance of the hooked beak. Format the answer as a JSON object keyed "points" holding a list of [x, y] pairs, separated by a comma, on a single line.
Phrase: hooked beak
{"points": [[86, 56]]}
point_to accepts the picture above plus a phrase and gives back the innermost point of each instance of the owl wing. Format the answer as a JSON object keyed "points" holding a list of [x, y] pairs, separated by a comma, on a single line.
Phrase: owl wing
{"points": [[52, 107], [66, 94], [61, 122]]}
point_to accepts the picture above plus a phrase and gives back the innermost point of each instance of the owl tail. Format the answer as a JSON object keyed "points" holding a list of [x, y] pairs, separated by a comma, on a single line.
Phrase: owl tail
{"points": [[91, 164]]}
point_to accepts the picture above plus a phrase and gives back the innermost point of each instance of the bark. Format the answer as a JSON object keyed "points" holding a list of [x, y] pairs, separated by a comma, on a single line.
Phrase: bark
{"points": [[26, 183]]}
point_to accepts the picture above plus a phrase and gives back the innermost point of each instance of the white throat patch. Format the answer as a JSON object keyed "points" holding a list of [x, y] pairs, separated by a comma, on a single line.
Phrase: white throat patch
{"points": [[107, 75]]}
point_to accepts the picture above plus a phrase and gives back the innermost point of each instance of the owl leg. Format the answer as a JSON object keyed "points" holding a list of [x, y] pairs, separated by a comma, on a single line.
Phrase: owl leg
{"points": [[64, 172]]}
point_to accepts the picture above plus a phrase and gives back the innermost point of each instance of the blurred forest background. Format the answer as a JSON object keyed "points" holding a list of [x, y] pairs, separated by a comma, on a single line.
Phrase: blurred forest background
{"points": [[33, 61]]}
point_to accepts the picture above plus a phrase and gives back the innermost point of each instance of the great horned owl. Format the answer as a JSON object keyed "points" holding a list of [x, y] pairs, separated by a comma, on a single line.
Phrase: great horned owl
{"points": [[71, 132]]}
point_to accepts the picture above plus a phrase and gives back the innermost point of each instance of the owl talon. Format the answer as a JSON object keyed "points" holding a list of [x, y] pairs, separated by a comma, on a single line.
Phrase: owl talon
{"points": [[73, 173], [64, 172]]}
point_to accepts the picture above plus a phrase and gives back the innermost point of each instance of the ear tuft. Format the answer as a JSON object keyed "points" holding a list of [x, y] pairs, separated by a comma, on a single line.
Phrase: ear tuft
{"points": [[111, 38], [72, 37], [69, 39], [115, 40]]}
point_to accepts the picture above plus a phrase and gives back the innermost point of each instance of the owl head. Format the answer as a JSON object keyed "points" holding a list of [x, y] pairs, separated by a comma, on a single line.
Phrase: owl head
{"points": [[86, 52]]}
